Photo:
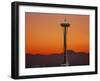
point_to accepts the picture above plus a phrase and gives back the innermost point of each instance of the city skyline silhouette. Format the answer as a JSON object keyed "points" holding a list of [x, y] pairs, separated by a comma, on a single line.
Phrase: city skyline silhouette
{"points": [[45, 38]]}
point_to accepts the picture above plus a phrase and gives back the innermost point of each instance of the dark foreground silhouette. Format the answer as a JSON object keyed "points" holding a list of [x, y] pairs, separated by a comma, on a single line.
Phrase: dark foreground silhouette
{"points": [[53, 60]]}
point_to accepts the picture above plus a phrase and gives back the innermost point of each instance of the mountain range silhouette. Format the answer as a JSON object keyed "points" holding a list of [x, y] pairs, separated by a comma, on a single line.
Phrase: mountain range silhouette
{"points": [[53, 60]]}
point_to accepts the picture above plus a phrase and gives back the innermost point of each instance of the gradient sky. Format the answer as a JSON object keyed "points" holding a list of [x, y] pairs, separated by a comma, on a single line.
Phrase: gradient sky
{"points": [[44, 35]]}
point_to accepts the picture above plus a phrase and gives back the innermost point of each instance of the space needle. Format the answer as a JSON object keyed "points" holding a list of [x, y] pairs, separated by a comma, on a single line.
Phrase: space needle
{"points": [[65, 25]]}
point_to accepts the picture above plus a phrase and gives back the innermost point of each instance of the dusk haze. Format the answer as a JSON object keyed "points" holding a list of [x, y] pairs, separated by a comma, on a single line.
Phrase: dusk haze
{"points": [[44, 35]]}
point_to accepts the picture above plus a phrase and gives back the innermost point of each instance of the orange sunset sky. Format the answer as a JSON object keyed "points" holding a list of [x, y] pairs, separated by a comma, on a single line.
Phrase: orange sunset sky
{"points": [[44, 35]]}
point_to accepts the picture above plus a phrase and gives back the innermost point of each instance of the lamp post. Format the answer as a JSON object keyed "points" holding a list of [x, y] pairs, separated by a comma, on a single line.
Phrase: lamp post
{"points": [[65, 25]]}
